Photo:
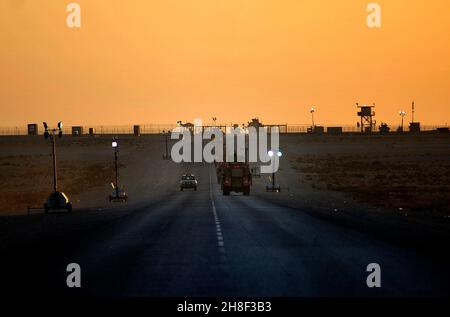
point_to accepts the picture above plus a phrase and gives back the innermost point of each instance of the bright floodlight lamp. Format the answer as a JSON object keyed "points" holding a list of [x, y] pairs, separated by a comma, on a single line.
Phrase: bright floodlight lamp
{"points": [[60, 125], [114, 144], [312, 118], [273, 187]]}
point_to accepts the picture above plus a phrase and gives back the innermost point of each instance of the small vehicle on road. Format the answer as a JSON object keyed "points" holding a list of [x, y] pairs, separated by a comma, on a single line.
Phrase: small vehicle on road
{"points": [[188, 181]]}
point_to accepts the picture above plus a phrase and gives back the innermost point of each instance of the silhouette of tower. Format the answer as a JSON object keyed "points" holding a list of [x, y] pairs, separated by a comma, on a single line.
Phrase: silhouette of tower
{"points": [[366, 114]]}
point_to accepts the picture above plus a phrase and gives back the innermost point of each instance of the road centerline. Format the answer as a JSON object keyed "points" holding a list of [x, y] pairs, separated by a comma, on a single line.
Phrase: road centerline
{"points": [[219, 235]]}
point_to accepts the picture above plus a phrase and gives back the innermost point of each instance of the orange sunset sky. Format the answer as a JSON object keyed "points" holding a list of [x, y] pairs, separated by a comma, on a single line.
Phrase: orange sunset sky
{"points": [[159, 61]]}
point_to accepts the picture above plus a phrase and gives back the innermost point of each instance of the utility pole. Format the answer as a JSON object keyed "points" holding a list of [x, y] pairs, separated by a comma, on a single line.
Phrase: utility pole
{"points": [[273, 177], [402, 114], [166, 135], [117, 174], [56, 200], [118, 195], [115, 145], [50, 133], [55, 178], [271, 154], [167, 147], [312, 110]]}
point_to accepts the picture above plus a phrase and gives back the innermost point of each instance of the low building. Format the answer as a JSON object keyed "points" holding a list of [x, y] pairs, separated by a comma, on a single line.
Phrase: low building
{"points": [[77, 131], [414, 127], [33, 129], [334, 130], [136, 130]]}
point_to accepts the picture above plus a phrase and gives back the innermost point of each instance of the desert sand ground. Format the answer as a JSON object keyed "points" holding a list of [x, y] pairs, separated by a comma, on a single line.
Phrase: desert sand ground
{"points": [[391, 185], [393, 175], [85, 170]]}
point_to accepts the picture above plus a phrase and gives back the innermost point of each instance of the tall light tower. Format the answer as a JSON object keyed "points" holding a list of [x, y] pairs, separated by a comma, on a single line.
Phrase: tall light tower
{"points": [[273, 187], [166, 156], [115, 145], [57, 199], [402, 114], [118, 195], [312, 110]]}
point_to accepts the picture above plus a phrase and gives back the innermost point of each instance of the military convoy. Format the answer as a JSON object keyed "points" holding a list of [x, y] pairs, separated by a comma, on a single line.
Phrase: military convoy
{"points": [[234, 177]]}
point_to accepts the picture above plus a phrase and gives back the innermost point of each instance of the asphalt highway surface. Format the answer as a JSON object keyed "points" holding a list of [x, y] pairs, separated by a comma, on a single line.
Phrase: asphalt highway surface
{"points": [[201, 243]]}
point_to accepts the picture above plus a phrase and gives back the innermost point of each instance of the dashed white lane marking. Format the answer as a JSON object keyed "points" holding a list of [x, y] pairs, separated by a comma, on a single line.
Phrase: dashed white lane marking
{"points": [[220, 243]]}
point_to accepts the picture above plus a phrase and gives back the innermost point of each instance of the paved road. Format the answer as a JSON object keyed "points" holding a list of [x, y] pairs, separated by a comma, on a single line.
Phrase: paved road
{"points": [[205, 244]]}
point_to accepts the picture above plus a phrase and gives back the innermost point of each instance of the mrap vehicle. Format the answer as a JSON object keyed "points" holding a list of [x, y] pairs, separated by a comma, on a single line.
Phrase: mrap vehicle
{"points": [[235, 177]]}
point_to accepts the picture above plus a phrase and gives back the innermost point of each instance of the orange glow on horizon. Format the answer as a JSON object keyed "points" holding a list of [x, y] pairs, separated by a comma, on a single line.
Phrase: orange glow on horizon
{"points": [[167, 60]]}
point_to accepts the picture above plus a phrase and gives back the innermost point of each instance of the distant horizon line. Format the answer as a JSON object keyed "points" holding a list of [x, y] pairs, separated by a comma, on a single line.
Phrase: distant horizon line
{"points": [[154, 127], [97, 125]]}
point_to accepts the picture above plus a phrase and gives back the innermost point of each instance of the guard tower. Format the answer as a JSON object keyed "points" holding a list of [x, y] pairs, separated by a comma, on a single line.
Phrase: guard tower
{"points": [[366, 113]]}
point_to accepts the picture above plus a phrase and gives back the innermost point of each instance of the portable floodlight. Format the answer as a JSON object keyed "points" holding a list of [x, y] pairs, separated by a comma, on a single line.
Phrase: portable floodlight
{"points": [[273, 187], [118, 194], [57, 199]]}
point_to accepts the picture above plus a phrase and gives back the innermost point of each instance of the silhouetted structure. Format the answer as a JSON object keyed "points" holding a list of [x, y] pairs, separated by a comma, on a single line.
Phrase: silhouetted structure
{"points": [[136, 130], [334, 130], [413, 126], [77, 131], [33, 129], [384, 128], [443, 130], [366, 113], [255, 123]]}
